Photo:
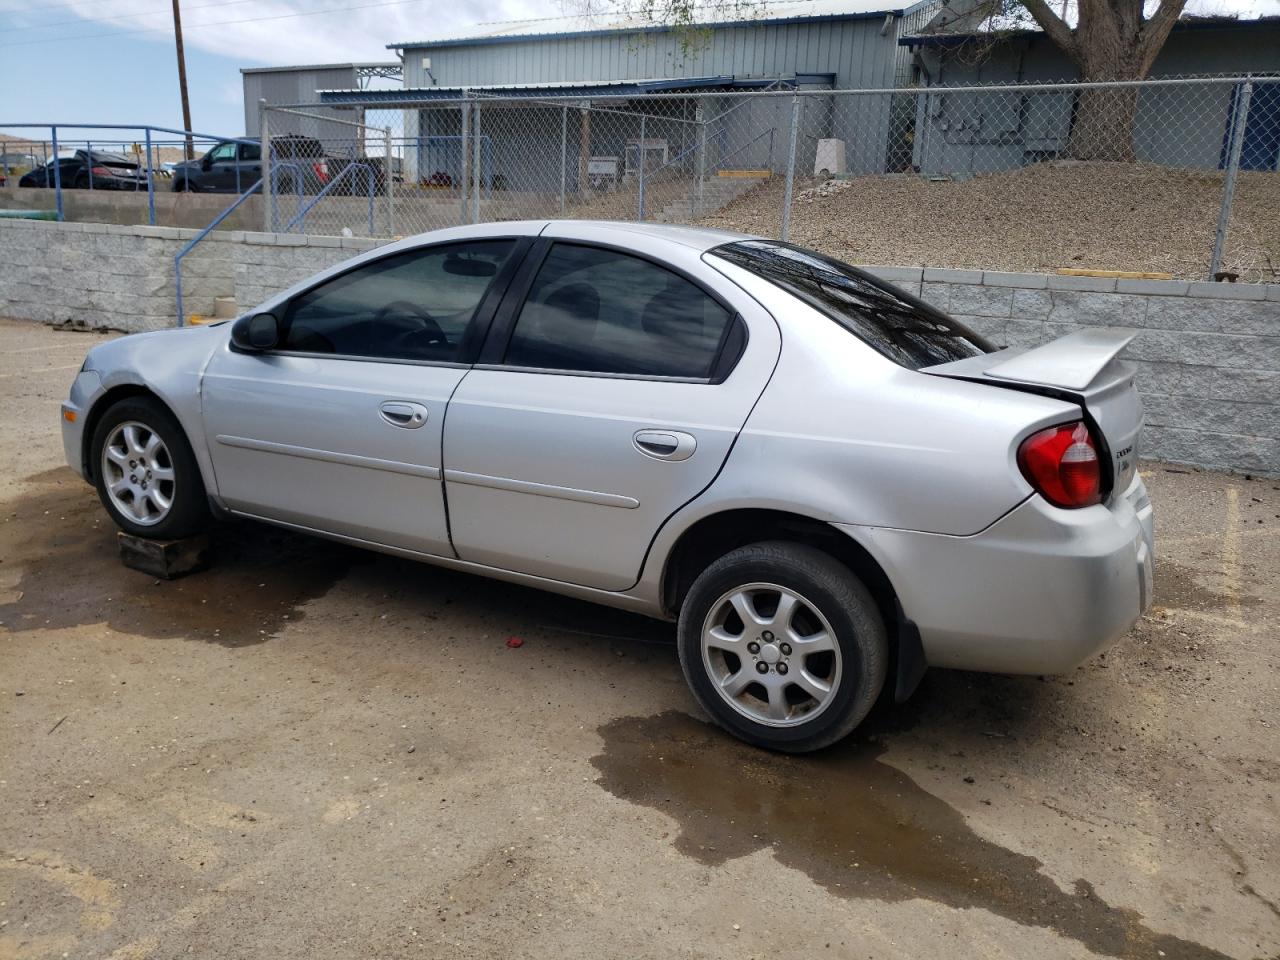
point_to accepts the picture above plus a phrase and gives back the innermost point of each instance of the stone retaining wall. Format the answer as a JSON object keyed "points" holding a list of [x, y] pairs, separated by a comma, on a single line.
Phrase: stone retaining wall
{"points": [[1208, 356]]}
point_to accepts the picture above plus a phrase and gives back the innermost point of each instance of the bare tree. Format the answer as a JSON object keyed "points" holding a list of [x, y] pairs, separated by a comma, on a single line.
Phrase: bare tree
{"points": [[687, 19], [1111, 40]]}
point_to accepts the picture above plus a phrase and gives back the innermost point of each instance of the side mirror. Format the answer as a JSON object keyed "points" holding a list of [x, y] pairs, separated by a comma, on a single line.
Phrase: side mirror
{"points": [[256, 333], [207, 162]]}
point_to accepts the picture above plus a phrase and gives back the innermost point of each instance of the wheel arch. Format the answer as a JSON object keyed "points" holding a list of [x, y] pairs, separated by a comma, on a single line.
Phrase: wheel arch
{"points": [[104, 403], [712, 536]]}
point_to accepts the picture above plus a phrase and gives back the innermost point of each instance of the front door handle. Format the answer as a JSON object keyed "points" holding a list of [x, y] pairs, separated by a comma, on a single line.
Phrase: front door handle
{"points": [[403, 413], [665, 444]]}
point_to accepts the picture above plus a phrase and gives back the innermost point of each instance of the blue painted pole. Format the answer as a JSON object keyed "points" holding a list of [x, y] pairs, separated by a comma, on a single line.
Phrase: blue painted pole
{"points": [[57, 172], [151, 184], [88, 159]]}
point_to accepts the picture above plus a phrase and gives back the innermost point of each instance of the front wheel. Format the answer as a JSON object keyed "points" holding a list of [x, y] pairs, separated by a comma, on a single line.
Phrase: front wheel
{"points": [[783, 646], [146, 474]]}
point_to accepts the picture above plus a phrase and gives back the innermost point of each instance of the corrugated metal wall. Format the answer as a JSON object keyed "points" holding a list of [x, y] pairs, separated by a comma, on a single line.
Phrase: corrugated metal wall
{"points": [[856, 51], [297, 86], [1175, 126]]}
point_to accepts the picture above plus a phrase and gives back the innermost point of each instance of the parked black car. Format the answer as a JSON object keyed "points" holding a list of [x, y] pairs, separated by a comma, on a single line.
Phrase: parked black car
{"points": [[233, 166], [97, 170]]}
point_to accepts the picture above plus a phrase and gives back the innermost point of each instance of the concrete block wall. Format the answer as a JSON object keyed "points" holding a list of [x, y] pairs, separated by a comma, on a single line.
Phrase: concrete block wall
{"points": [[122, 277], [1208, 354]]}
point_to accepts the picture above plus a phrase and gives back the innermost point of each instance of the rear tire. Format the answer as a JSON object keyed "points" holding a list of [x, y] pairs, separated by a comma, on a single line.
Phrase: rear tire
{"points": [[783, 646], [146, 474]]}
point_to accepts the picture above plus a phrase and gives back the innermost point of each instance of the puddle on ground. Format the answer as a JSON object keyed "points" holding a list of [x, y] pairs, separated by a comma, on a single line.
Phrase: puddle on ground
{"points": [[63, 543], [855, 825]]}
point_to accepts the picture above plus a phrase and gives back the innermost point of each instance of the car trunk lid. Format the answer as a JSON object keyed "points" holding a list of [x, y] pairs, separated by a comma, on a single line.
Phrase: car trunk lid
{"points": [[1081, 367]]}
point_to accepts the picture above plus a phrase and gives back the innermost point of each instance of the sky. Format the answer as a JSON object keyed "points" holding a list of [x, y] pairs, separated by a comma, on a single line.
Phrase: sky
{"points": [[89, 61]]}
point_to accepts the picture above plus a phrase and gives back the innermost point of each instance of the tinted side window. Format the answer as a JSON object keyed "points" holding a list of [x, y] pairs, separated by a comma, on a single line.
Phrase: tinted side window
{"points": [[411, 306], [250, 151], [904, 329], [599, 311]]}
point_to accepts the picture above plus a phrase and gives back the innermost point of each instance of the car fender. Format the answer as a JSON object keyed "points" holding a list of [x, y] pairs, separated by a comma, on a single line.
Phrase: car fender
{"points": [[169, 364]]}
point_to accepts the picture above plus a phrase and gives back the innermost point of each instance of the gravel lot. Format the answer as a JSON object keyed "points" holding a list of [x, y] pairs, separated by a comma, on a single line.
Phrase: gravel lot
{"points": [[1098, 216], [308, 751]]}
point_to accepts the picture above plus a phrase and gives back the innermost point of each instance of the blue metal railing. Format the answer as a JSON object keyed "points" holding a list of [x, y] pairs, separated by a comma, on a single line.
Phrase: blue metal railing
{"points": [[301, 216], [191, 244], [147, 132], [177, 259]]}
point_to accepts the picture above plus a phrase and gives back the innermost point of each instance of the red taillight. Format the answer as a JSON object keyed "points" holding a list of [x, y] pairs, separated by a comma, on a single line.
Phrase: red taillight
{"points": [[322, 171], [102, 172], [1062, 464]]}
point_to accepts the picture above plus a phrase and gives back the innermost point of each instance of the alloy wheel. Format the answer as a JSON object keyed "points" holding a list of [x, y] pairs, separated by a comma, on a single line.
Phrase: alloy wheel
{"points": [[138, 473], [771, 654]]}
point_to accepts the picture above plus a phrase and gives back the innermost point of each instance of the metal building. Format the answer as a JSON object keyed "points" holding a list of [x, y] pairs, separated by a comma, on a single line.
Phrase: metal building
{"points": [[803, 44], [1177, 126], [302, 84]]}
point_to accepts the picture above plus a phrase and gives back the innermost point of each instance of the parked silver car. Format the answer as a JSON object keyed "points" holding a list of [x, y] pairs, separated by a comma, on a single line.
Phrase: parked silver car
{"points": [[828, 483]]}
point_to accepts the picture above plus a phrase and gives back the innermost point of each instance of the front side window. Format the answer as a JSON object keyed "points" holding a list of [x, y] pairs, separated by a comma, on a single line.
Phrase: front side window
{"points": [[223, 152], [906, 330], [599, 311], [411, 306]]}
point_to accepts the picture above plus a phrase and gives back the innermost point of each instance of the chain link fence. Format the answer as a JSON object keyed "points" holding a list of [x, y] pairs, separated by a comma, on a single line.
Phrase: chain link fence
{"points": [[1173, 177]]}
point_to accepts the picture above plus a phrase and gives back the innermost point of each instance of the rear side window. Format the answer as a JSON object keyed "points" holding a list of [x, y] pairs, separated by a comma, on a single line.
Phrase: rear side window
{"points": [[592, 310], [902, 328], [409, 306]]}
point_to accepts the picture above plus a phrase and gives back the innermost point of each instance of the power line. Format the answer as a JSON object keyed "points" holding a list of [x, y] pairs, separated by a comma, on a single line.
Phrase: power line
{"points": [[44, 8], [119, 16], [213, 23]]}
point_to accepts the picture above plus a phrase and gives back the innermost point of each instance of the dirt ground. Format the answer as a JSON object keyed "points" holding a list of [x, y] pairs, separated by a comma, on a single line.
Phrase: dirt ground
{"points": [[312, 752], [1096, 216]]}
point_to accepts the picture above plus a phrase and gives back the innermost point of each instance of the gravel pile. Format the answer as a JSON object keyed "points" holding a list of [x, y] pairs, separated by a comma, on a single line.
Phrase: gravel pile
{"points": [[1099, 216]]}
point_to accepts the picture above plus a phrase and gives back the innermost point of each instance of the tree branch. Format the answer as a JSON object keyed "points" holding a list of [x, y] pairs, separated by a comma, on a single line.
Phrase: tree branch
{"points": [[1055, 27], [1156, 30]]}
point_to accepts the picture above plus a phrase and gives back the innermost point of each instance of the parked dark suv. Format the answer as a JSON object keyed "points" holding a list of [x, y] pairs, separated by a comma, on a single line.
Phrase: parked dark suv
{"points": [[234, 166]]}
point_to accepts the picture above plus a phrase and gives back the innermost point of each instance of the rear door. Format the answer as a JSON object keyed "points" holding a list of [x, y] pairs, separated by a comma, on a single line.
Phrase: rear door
{"points": [[249, 166], [609, 393]]}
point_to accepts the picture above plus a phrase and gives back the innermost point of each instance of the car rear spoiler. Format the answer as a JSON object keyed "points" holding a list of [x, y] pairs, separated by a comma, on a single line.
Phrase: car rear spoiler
{"points": [[1071, 362]]}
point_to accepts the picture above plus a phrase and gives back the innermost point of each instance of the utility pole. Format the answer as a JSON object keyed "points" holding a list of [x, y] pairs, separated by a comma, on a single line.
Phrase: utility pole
{"points": [[182, 77]]}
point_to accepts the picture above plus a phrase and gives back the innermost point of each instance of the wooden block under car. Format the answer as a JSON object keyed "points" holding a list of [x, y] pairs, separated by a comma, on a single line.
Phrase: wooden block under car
{"points": [[166, 559]]}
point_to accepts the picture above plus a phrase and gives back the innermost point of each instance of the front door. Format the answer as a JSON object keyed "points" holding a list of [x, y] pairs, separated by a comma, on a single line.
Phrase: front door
{"points": [[221, 175], [340, 429], [612, 394]]}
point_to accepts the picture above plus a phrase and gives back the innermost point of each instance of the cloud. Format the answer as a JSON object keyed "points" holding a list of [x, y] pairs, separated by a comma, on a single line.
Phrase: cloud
{"points": [[271, 33]]}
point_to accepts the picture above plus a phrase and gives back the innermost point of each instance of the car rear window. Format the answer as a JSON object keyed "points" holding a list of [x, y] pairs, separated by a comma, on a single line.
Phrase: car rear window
{"points": [[906, 330]]}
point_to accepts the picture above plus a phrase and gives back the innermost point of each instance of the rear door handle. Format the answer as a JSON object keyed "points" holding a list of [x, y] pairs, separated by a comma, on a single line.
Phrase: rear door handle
{"points": [[665, 444], [403, 413]]}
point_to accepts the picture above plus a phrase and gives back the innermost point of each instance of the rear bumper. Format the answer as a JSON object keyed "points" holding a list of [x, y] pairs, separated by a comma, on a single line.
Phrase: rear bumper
{"points": [[1040, 591]]}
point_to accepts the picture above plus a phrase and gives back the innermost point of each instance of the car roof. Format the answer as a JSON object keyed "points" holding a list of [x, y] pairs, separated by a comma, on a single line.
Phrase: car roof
{"points": [[698, 238]]}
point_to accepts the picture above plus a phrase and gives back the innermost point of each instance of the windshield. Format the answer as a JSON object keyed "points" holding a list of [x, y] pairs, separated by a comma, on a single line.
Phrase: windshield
{"points": [[901, 327]]}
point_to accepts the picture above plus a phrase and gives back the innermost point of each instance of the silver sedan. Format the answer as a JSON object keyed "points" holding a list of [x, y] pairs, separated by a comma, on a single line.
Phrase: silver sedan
{"points": [[826, 482]]}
